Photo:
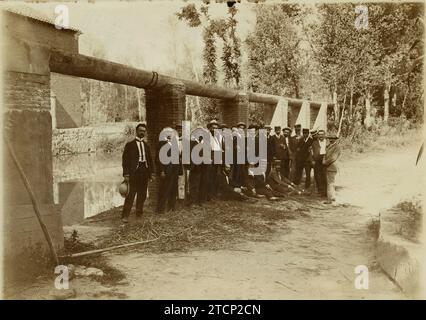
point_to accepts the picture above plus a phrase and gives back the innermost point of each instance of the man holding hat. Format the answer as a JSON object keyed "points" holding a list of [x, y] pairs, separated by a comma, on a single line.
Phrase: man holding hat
{"points": [[137, 170]]}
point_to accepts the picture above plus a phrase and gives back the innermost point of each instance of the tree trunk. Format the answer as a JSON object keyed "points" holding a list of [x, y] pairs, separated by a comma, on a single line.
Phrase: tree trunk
{"points": [[336, 108], [404, 100], [386, 107], [351, 97], [367, 120]]}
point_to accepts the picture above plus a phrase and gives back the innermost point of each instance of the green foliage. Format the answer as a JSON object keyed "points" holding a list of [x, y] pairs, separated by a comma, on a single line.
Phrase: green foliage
{"points": [[274, 54], [214, 29], [359, 63]]}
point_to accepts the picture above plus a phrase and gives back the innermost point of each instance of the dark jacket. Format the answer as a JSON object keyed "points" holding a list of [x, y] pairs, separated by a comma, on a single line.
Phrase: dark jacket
{"points": [[316, 151], [303, 150], [130, 158], [167, 168], [282, 150]]}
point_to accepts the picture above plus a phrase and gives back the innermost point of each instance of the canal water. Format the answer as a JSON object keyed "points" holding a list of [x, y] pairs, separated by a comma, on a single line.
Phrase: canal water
{"points": [[85, 185]]}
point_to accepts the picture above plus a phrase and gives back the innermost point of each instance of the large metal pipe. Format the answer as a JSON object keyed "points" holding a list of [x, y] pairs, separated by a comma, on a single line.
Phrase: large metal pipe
{"points": [[79, 65]]}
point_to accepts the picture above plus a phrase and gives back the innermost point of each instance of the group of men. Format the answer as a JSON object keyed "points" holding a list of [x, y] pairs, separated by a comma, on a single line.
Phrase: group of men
{"points": [[290, 153]]}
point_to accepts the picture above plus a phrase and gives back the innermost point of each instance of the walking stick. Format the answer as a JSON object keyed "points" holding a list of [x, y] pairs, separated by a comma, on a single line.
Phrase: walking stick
{"points": [[33, 201]]}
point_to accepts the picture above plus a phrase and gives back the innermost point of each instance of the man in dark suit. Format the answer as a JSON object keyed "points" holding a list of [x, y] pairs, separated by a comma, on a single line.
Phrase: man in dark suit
{"points": [[137, 170], [270, 150], [283, 150], [294, 140], [169, 173], [318, 153], [303, 159]]}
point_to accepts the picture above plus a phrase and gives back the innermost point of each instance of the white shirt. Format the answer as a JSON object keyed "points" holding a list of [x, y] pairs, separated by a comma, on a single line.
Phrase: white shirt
{"points": [[322, 146], [141, 148], [214, 144]]}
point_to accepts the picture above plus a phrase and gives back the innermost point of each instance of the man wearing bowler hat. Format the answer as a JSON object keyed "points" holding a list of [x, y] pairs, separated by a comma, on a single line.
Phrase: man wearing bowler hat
{"points": [[137, 170]]}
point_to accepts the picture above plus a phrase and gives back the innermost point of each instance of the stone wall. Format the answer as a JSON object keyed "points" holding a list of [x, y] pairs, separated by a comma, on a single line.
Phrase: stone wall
{"points": [[106, 137], [79, 102]]}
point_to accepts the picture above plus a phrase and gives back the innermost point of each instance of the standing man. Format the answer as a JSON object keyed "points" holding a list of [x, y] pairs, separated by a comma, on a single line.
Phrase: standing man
{"points": [[169, 174], [282, 150], [137, 170], [319, 151], [213, 168], [270, 149], [295, 139], [332, 155], [303, 159], [196, 187]]}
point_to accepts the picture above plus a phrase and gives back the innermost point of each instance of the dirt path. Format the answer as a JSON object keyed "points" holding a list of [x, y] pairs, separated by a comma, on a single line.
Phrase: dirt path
{"points": [[313, 257]]}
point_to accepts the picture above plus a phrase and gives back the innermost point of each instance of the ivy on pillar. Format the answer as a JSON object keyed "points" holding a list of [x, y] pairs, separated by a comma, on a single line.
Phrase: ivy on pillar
{"points": [[165, 107]]}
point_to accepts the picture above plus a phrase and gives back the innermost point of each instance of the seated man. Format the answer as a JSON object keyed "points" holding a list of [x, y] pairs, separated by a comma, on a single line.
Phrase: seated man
{"points": [[260, 186], [279, 183]]}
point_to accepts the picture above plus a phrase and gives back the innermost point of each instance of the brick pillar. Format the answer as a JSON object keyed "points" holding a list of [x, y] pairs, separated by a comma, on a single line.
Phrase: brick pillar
{"points": [[29, 131], [234, 111], [165, 107]]}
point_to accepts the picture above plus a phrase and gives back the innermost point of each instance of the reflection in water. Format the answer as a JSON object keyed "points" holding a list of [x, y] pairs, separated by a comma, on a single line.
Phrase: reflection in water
{"points": [[86, 185]]}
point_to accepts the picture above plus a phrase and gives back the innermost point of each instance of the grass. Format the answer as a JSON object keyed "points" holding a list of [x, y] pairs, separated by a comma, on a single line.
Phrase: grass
{"points": [[362, 141], [410, 217], [216, 225]]}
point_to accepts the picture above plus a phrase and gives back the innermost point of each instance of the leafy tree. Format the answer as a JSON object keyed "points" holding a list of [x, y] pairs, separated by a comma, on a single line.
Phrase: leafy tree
{"points": [[274, 53]]}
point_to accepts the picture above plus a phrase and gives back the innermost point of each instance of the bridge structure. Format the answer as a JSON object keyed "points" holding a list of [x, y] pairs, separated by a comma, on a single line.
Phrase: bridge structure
{"points": [[33, 49]]}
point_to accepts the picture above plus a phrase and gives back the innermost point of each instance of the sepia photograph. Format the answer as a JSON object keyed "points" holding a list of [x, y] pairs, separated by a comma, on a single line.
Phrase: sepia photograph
{"points": [[212, 150]]}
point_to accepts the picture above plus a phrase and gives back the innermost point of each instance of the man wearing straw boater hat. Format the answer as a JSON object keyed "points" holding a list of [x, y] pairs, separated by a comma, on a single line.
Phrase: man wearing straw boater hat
{"points": [[137, 170], [331, 157]]}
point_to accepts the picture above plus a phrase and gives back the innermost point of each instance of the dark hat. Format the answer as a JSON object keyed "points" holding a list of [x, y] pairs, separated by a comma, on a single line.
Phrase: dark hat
{"points": [[332, 136], [253, 126], [298, 125], [213, 122], [241, 124], [305, 130], [286, 128], [277, 128]]}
